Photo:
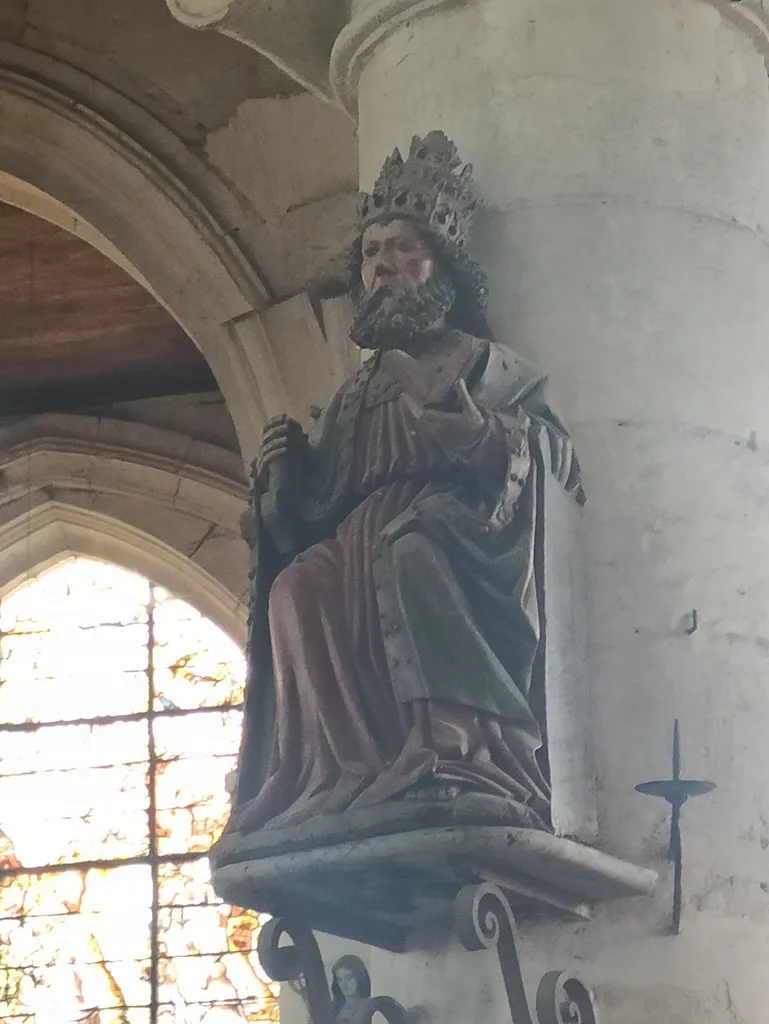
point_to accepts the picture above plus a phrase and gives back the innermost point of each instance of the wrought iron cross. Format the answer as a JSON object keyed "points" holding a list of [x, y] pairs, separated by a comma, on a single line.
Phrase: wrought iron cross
{"points": [[676, 791]]}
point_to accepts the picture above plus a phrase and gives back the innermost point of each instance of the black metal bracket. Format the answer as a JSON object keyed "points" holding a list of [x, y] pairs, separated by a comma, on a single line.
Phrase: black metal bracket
{"points": [[483, 919], [301, 961]]}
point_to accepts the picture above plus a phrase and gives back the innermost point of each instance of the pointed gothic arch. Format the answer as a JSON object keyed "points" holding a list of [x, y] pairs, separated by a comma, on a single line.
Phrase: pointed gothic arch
{"points": [[76, 153], [139, 496], [54, 531]]}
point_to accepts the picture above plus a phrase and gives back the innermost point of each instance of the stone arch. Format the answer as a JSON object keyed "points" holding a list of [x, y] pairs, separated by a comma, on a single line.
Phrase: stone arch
{"points": [[53, 532], [142, 497], [128, 185]]}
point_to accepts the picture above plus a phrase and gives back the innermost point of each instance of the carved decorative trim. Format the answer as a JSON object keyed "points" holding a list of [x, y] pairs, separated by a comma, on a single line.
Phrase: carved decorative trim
{"points": [[365, 31], [40, 463], [62, 460], [146, 144], [200, 13], [296, 35], [380, 18], [484, 920], [216, 470], [41, 537], [161, 200]]}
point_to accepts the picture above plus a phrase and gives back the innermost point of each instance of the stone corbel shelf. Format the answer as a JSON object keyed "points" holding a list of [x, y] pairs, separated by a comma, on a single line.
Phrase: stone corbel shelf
{"points": [[374, 889]]}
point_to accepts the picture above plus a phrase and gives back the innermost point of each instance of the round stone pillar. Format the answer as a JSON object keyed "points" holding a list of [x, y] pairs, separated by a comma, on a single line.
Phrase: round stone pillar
{"points": [[622, 148]]}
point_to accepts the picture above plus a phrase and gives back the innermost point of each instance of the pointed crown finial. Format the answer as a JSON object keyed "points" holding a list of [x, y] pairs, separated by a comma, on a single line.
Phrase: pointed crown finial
{"points": [[430, 187]]}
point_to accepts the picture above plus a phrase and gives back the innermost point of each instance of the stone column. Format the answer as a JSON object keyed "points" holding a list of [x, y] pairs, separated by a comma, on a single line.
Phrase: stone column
{"points": [[623, 149], [294, 34]]}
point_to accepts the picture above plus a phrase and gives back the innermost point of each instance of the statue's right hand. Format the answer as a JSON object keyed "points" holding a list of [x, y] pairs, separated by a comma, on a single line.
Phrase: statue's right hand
{"points": [[278, 440]]}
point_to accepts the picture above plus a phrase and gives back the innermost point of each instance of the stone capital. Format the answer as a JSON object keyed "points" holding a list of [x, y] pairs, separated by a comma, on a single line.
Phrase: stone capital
{"points": [[371, 22], [296, 35]]}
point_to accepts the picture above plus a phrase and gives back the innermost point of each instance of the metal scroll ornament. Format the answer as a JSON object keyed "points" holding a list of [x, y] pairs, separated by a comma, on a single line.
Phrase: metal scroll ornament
{"points": [[484, 920], [301, 960]]}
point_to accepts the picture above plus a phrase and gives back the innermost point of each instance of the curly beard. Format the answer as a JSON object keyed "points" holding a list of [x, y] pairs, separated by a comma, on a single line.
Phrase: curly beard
{"points": [[397, 323]]}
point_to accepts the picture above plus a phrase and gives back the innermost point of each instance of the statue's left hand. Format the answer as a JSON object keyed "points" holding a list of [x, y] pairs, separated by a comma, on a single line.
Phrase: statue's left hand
{"points": [[453, 430]]}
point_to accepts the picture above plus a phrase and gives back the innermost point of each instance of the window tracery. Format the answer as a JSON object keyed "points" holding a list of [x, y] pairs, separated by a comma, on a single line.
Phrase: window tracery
{"points": [[120, 719]]}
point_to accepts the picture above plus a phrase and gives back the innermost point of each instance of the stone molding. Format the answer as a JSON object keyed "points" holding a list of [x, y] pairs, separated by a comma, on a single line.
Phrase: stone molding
{"points": [[182, 496], [296, 35], [53, 531], [343, 885], [200, 13], [369, 27], [298, 38], [78, 154], [374, 20], [133, 460], [139, 187], [146, 143]]}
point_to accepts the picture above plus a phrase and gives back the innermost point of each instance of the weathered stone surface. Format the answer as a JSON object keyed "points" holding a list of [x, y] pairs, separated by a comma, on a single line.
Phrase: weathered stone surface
{"points": [[142, 496], [380, 889], [371, 23], [297, 35]]}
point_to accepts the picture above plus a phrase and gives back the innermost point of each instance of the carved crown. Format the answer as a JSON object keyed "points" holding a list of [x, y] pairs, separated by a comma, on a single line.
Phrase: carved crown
{"points": [[430, 187]]}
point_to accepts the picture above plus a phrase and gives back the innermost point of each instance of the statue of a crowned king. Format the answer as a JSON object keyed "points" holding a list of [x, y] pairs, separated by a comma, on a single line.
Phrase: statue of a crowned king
{"points": [[395, 614]]}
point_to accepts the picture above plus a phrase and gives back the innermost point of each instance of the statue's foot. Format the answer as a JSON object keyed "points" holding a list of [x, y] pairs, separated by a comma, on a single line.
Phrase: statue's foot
{"points": [[449, 783], [399, 778]]}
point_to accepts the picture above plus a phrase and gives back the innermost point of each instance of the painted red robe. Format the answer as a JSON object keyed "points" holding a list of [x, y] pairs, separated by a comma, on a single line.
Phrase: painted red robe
{"points": [[402, 643]]}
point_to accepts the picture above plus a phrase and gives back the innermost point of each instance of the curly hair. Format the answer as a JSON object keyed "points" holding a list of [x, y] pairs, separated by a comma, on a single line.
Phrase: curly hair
{"points": [[469, 279]]}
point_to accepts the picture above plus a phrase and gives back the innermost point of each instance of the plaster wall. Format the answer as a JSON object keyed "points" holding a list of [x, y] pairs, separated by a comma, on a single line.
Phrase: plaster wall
{"points": [[622, 150]]}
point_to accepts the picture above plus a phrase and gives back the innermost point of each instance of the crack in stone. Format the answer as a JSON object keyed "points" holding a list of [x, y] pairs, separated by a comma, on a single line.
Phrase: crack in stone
{"points": [[210, 532], [730, 1008]]}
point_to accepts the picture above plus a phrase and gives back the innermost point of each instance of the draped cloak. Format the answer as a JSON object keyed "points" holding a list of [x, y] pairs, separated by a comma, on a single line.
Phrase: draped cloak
{"points": [[400, 639]]}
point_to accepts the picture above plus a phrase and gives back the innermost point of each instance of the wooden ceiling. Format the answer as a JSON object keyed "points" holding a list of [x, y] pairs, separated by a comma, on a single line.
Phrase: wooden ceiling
{"points": [[76, 331]]}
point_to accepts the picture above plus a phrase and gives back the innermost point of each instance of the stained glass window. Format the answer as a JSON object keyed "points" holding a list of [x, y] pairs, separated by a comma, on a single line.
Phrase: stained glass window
{"points": [[120, 716]]}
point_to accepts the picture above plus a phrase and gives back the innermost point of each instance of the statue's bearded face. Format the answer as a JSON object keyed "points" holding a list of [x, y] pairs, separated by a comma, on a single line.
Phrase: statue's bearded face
{"points": [[403, 293], [395, 258]]}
